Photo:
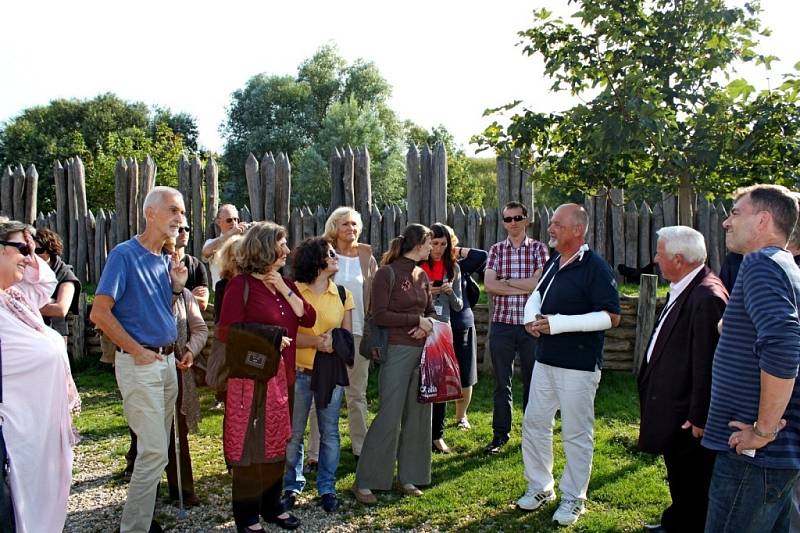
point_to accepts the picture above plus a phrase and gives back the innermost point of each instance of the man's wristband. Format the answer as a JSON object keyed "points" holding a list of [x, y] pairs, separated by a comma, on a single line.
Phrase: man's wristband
{"points": [[764, 435]]}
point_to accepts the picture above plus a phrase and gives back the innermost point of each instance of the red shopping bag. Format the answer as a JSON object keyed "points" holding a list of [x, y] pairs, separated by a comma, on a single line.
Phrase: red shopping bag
{"points": [[439, 375]]}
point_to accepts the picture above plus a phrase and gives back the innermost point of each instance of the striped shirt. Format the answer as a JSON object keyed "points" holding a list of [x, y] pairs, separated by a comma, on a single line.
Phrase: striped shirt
{"points": [[761, 331], [514, 263]]}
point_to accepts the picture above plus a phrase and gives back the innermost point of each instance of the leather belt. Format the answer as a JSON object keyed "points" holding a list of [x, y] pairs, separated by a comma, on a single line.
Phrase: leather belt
{"points": [[161, 350], [306, 371]]}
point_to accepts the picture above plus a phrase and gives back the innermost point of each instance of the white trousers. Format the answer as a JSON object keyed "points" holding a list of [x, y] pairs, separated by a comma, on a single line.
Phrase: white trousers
{"points": [[572, 392], [149, 393], [356, 396]]}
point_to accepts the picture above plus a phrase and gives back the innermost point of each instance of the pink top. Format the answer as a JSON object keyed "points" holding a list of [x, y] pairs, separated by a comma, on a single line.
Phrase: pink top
{"points": [[265, 307]]}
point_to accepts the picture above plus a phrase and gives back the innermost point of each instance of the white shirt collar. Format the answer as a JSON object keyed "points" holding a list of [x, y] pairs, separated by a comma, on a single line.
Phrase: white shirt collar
{"points": [[675, 289]]}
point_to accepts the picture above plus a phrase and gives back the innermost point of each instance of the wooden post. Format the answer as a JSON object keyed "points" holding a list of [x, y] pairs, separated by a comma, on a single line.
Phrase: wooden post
{"points": [[99, 245], [91, 230], [714, 260], [669, 200], [185, 184], [79, 183], [113, 226], [212, 196], [375, 223], [645, 318], [335, 169], [704, 220], [413, 186], [439, 190], [399, 221], [78, 329], [295, 228], [514, 178], [460, 223], [147, 180], [31, 185], [489, 228], [631, 240], [254, 191], [528, 197], [618, 226], [722, 214], [473, 228], [120, 199], [133, 197], [283, 189], [60, 182], [600, 224], [197, 221], [244, 214], [72, 213], [267, 171], [348, 173], [543, 215], [18, 209], [309, 229], [503, 187], [389, 232], [645, 215], [7, 192], [320, 217], [425, 184], [658, 223], [362, 182], [588, 206]]}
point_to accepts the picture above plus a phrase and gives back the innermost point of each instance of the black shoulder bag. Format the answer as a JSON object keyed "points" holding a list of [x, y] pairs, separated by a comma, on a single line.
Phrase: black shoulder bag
{"points": [[7, 520]]}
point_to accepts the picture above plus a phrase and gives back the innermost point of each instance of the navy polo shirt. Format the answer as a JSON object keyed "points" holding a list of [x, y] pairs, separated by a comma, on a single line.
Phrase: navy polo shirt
{"points": [[583, 286]]}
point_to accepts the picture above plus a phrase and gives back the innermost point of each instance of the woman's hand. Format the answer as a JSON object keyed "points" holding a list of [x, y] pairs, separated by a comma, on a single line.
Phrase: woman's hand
{"points": [[426, 324], [186, 361], [285, 342], [275, 279], [417, 333], [446, 288], [325, 343]]}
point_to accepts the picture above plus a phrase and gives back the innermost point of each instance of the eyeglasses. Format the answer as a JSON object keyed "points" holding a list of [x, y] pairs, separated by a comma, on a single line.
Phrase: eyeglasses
{"points": [[23, 248], [231, 220], [331, 254], [515, 218], [183, 229]]}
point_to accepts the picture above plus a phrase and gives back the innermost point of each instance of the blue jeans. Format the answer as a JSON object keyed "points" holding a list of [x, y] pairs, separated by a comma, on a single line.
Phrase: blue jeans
{"points": [[747, 498], [328, 421]]}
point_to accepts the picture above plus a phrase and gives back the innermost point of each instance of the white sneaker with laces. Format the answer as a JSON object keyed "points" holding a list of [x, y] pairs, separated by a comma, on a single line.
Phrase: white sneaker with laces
{"points": [[533, 499], [569, 511]]}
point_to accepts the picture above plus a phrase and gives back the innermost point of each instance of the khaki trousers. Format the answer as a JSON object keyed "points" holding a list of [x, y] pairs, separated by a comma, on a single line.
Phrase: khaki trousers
{"points": [[149, 393], [402, 429]]}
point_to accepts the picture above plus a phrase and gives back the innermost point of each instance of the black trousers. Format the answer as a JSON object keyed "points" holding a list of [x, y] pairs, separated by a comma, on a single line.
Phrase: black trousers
{"points": [[437, 420], [257, 491], [505, 342], [689, 468]]}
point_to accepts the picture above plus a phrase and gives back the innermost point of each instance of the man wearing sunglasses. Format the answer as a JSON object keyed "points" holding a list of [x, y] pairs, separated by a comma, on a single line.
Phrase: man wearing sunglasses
{"points": [[510, 277], [227, 220]]}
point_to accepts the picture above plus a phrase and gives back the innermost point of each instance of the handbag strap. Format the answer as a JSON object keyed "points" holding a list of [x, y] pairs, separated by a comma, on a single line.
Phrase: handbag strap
{"points": [[342, 294]]}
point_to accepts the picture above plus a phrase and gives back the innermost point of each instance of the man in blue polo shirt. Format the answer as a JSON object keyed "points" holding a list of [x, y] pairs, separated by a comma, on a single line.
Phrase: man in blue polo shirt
{"points": [[133, 307], [575, 301], [754, 417]]}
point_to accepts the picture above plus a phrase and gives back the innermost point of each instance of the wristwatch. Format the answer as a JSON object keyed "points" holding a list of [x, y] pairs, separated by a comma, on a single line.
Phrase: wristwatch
{"points": [[764, 435]]}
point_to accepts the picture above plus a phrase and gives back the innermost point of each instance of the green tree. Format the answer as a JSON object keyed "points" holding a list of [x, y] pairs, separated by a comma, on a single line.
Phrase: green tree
{"points": [[662, 114], [298, 115]]}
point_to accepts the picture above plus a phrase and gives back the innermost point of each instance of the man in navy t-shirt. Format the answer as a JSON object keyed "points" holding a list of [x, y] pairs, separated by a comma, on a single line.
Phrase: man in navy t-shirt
{"points": [[575, 301], [754, 417], [133, 307]]}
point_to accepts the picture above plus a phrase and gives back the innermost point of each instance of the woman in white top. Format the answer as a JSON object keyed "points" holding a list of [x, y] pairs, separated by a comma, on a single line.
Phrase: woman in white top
{"points": [[38, 390], [357, 267]]}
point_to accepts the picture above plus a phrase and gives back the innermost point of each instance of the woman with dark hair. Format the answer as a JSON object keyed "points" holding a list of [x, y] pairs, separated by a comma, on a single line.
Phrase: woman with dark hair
{"points": [[465, 342], [65, 298], [445, 275], [401, 431], [314, 265], [254, 439]]}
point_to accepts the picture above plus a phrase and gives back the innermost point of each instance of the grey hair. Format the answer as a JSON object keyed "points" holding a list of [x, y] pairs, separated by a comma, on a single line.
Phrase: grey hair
{"points": [[7, 227], [685, 241], [157, 194], [223, 207]]}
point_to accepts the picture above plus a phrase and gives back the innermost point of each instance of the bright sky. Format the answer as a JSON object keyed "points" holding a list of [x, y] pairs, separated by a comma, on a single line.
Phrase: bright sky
{"points": [[446, 60]]}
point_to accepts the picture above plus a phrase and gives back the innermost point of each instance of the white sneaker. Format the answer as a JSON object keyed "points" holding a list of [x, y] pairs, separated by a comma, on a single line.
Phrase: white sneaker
{"points": [[569, 511], [533, 499]]}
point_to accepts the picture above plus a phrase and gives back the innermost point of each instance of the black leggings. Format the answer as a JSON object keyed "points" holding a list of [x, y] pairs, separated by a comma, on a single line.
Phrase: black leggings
{"points": [[257, 490]]}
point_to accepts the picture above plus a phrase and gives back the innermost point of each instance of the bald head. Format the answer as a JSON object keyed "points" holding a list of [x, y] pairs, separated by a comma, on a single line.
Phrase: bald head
{"points": [[568, 227]]}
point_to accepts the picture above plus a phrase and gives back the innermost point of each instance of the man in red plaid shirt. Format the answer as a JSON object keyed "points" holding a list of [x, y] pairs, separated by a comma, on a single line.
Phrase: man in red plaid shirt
{"points": [[512, 271]]}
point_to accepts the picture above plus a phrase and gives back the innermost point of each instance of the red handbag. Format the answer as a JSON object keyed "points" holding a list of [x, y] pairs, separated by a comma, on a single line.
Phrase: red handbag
{"points": [[439, 375]]}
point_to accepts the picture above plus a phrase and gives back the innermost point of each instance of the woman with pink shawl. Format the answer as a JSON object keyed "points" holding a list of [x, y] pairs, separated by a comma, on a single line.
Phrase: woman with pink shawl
{"points": [[38, 391]]}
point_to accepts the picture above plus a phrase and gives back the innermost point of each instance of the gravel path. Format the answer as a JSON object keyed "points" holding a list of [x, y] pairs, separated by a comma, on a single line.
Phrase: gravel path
{"points": [[97, 498]]}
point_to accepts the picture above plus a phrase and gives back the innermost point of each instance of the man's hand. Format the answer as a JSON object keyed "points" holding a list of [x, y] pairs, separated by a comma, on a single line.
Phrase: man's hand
{"points": [[237, 229], [186, 361], [541, 325], [531, 330], [697, 431], [746, 439], [178, 275], [147, 357]]}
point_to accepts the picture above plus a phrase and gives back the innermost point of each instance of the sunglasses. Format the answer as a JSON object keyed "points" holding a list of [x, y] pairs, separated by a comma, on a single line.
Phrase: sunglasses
{"points": [[515, 218], [184, 229], [331, 254], [23, 248], [39, 251], [231, 220]]}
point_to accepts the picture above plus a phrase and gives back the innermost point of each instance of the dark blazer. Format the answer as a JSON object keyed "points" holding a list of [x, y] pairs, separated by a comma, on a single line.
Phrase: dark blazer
{"points": [[675, 386]]}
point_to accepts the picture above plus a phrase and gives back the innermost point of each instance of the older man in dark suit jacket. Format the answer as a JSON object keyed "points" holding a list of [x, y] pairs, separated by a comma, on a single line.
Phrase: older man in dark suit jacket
{"points": [[675, 377]]}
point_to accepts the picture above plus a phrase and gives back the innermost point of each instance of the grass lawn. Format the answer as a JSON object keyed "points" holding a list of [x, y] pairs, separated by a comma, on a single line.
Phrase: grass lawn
{"points": [[470, 491]]}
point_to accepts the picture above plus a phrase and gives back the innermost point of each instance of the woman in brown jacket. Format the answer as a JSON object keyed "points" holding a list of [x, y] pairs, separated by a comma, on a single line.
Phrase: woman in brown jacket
{"points": [[406, 311]]}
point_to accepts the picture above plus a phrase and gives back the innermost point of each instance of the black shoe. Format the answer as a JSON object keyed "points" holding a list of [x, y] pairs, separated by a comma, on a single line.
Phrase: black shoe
{"points": [[290, 522], [329, 502], [493, 448], [288, 500], [655, 528], [155, 527]]}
